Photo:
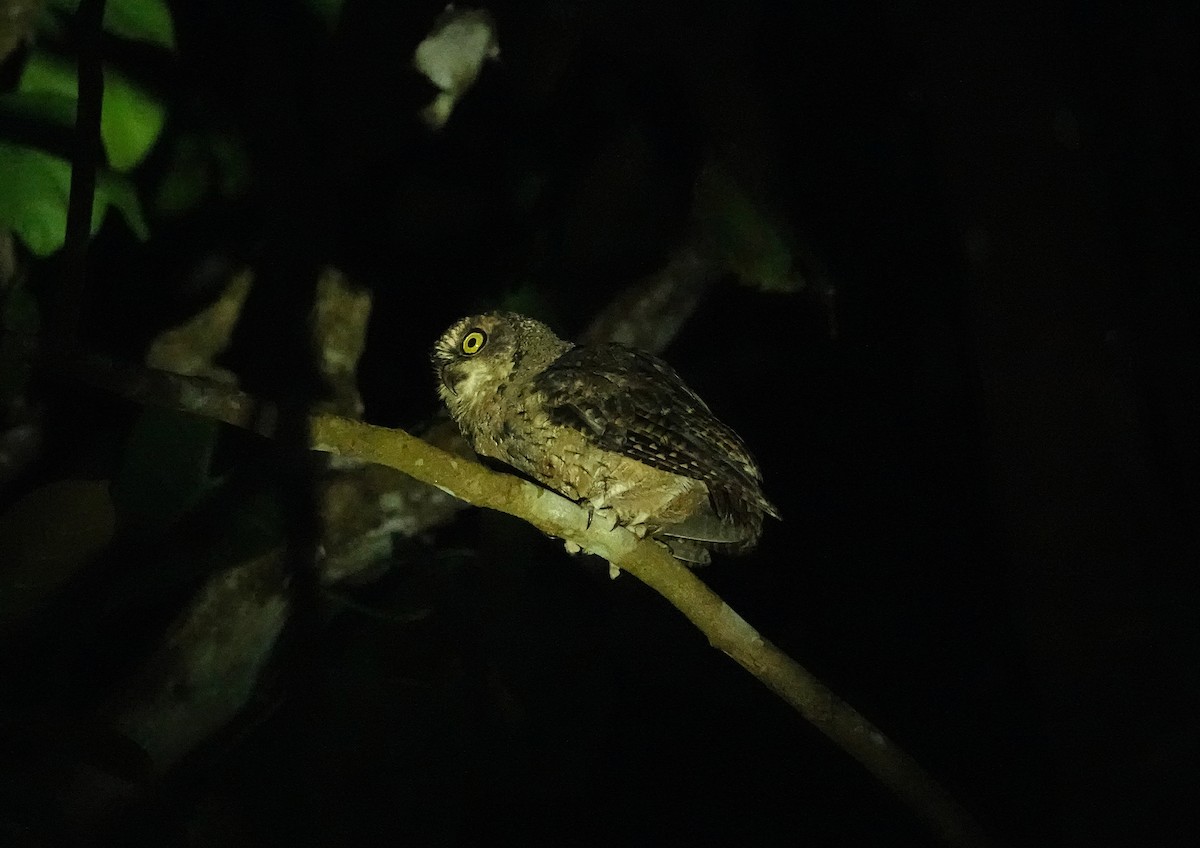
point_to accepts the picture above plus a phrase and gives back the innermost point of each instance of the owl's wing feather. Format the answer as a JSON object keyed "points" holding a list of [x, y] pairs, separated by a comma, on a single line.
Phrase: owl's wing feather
{"points": [[635, 404]]}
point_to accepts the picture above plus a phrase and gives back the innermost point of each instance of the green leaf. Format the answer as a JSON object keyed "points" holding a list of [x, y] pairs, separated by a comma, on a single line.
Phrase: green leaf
{"points": [[33, 202], [131, 121], [34, 188], [46, 73], [115, 190], [137, 20], [141, 20], [48, 106], [131, 118]]}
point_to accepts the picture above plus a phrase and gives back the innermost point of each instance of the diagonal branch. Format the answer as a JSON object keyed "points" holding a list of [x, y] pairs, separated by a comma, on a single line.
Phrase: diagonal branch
{"points": [[653, 565], [552, 514]]}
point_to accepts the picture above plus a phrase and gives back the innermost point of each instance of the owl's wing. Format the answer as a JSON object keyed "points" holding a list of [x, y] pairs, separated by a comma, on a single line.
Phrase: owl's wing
{"points": [[635, 404]]}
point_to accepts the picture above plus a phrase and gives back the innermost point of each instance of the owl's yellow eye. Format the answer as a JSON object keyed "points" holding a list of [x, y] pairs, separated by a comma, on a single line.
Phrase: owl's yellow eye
{"points": [[473, 342]]}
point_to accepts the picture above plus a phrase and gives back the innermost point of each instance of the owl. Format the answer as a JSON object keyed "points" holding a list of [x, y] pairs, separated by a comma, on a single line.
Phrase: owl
{"points": [[608, 426]]}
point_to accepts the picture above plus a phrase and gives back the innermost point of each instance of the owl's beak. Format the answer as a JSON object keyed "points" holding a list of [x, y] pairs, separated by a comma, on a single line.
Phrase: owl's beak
{"points": [[447, 379]]}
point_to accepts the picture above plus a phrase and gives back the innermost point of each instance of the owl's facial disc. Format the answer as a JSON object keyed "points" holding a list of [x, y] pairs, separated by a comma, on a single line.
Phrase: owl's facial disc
{"points": [[482, 356]]}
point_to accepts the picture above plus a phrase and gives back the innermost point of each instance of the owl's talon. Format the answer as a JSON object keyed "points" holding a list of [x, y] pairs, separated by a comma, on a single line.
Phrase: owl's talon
{"points": [[606, 514]]}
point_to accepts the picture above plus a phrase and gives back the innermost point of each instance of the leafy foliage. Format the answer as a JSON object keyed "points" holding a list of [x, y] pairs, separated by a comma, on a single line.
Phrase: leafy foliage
{"points": [[36, 190], [131, 119], [138, 20], [35, 183]]}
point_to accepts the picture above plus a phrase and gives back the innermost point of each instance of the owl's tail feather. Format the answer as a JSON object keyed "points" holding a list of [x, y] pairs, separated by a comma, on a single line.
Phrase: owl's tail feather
{"points": [[691, 540], [731, 502], [687, 551]]}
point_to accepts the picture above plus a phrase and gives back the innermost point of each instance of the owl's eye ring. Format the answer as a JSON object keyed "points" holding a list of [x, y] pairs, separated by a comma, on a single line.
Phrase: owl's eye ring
{"points": [[473, 342]]}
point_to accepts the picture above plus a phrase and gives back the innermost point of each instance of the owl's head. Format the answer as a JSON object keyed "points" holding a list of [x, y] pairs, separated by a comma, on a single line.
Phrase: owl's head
{"points": [[480, 355]]}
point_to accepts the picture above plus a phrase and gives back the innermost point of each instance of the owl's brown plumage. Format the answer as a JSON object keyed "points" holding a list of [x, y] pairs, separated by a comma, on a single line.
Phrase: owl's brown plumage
{"points": [[607, 425]]}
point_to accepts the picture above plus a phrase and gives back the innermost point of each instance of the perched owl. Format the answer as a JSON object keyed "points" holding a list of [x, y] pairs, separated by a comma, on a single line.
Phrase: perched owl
{"points": [[607, 426]]}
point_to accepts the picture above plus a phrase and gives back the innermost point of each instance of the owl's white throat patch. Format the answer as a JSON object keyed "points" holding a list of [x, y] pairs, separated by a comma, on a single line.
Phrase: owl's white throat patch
{"points": [[474, 385], [478, 383]]}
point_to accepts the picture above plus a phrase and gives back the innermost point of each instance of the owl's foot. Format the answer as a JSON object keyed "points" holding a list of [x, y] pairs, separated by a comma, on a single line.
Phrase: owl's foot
{"points": [[601, 516]]}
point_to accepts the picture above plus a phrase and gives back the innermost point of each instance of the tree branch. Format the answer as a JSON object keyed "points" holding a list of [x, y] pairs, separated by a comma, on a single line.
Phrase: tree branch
{"points": [[651, 563], [88, 21], [647, 560]]}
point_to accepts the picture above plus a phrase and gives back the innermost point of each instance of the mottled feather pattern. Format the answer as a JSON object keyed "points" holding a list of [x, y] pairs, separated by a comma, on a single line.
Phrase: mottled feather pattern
{"points": [[636, 404], [606, 425]]}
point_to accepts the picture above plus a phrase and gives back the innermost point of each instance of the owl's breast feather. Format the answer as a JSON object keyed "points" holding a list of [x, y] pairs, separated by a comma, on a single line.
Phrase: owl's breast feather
{"points": [[569, 462]]}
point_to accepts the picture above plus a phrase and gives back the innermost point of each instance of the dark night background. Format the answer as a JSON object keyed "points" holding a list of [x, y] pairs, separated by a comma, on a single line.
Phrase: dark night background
{"points": [[988, 477]]}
